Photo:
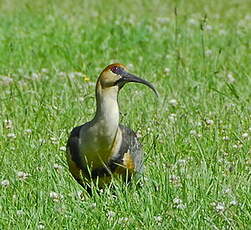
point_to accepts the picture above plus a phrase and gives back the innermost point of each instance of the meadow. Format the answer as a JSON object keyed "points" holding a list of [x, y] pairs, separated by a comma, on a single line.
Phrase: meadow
{"points": [[196, 135]]}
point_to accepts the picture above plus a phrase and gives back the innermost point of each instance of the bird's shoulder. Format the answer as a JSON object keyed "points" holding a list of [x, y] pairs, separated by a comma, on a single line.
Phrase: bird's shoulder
{"points": [[73, 151], [76, 131]]}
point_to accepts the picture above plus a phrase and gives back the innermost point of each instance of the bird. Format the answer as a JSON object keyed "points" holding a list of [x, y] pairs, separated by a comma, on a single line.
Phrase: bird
{"points": [[102, 148]]}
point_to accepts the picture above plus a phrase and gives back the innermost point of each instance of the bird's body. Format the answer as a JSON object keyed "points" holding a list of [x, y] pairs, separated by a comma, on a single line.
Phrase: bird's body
{"points": [[102, 148]]}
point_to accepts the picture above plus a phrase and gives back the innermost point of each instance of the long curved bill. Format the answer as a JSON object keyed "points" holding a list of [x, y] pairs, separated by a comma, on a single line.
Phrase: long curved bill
{"points": [[128, 77]]}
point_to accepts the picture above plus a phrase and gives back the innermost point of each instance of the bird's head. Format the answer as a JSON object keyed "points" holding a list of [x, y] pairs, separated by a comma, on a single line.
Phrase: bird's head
{"points": [[116, 75]]}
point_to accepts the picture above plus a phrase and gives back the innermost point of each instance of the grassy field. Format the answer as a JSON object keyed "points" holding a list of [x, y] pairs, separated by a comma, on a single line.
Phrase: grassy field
{"points": [[196, 136]]}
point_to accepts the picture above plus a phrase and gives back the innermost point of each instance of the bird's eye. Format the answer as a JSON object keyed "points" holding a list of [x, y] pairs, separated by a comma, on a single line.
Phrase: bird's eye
{"points": [[114, 69]]}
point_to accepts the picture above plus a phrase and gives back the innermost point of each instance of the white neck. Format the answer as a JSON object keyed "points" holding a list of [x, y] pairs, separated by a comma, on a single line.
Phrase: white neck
{"points": [[101, 138], [107, 112]]}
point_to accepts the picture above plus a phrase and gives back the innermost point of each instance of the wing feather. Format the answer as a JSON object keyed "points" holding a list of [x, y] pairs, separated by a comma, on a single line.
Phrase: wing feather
{"points": [[131, 145], [73, 155]]}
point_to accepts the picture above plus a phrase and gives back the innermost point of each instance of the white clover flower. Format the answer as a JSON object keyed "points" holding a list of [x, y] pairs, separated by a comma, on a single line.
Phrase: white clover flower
{"points": [[131, 20], [177, 201], [182, 161], [248, 162], [54, 140], [227, 190], [167, 71], [62, 74], [193, 132], [208, 52], [189, 158], [78, 74], [11, 135], [40, 226], [237, 146], [173, 102], [62, 148], [222, 32], [231, 105], [8, 124], [139, 134], [163, 20], [198, 123], [42, 141], [78, 194], [5, 183], [34, 76], [111, 214], [22, 175], [226, 138], [43, 70], [93, 205], [22, 83], [230, 78], [20, 212], [208, 27], [174, 179], [20, 70], [209, 122], [233, 202], [148, 129], [130, 66], [192, 21], [71, 75], [245, 135], [39, 168], [219, 207], [123, 220], [181, 206], [81, 99], [90, 83], [172, 117], [57, 166], [158, 218], [56, 196], [61, 209], [6, 80], [28, 131], [247, 17]]}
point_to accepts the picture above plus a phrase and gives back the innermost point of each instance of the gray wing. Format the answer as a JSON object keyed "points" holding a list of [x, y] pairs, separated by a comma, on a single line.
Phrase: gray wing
{"points": [[73, 155], [131, 145]]}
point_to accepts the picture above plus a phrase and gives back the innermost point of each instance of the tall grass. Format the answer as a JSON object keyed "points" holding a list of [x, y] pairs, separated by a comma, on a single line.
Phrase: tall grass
{"points": [[196, 136]]}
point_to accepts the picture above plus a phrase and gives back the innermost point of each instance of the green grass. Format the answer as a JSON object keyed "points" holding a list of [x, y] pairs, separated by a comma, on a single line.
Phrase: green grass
{"points": [[188, 157]]}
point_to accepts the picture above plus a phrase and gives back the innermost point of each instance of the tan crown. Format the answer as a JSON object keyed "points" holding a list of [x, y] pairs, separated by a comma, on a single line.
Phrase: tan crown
{"points": [[107, 78]]}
